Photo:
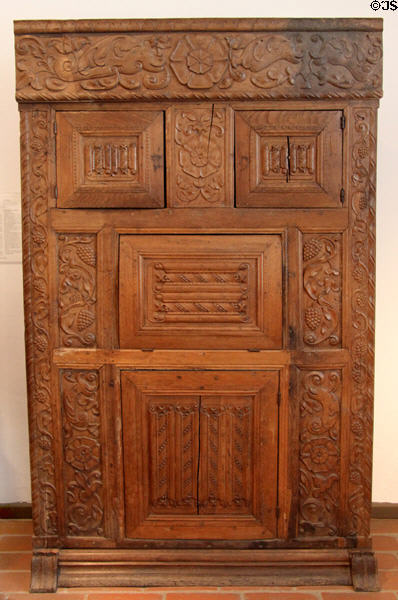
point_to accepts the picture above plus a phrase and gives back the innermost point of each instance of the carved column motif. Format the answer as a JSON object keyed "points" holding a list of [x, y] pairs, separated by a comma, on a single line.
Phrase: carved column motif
{"points": [[35, 149], [362, 207], [319, 482], [322, 290], [82, 452], [77, 254]]}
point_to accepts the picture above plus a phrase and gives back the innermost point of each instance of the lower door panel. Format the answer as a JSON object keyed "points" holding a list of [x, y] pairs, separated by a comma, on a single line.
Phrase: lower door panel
{"points": [[200, 454]]}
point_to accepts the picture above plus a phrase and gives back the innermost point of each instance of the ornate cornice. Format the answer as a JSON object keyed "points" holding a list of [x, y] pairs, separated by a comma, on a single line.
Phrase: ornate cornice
{"points": [[198, 65]]}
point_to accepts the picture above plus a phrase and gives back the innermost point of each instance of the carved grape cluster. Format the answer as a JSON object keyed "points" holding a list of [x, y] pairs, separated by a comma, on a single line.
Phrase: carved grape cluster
{"points": [[313, 317], [311, 249], [86, 253], [85, 318]]}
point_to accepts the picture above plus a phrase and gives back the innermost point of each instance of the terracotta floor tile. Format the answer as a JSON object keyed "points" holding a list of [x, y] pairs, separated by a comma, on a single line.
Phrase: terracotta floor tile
{"points": [[358, 595], [19, 526], [388, 580], [387, 560], [384, 526], [124, 596], [385, 542], [271, 595], [14, 581], [201, 596], [69, 595], [15, 542], [15, 561]]}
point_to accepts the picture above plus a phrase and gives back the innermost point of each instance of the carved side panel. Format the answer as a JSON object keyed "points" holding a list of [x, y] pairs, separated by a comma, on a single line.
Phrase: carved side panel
{"points": [[322, 290], [35, 149], [362, 211], [226, 426], [173, 454], [319, 475], [201, 157], [301, 64], [83, 477], [77, 282]]}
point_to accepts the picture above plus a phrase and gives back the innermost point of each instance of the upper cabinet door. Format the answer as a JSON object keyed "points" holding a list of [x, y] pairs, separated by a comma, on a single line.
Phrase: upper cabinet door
{"points": [[110, 159], [289, 158]]}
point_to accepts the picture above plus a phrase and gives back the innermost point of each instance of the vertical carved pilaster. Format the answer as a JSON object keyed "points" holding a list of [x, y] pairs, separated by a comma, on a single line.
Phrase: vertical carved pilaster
{"points": [[319, 483], [77, 282], [362, 245], [83, 468], [35, 150]]}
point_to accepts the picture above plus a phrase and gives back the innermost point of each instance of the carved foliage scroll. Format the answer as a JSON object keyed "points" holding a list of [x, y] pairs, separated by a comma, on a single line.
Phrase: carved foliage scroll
{"points": [[81, 424], [77, 255], [199, 65], [201, 161], [322, 280], [319, 482], [35, 140], [363, 181]]}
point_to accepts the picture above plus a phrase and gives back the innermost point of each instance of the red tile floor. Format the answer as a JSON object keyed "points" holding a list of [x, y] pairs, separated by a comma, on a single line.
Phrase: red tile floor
{"points": [[15, 554]]}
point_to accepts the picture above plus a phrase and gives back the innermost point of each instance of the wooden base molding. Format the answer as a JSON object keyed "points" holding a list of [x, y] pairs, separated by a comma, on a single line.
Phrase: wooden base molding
{"points": [[148, 568]]}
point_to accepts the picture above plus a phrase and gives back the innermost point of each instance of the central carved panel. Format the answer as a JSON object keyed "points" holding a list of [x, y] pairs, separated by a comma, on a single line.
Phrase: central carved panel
{"points": [[191, 291]]}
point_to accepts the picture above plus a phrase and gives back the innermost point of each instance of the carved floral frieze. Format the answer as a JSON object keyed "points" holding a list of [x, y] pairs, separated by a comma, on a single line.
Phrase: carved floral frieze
{"points": [[183, 65]]}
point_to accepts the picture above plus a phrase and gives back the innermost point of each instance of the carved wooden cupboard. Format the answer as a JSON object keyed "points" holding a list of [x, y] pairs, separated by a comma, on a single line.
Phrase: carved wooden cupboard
{"points": [[198, 218]]}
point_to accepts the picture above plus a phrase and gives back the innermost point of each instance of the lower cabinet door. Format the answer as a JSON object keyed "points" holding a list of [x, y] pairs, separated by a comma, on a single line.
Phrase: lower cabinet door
{"points": [[200, 452]]}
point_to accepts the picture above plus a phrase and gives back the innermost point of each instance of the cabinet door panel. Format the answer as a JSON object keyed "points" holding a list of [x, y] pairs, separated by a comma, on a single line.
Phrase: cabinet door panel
{"points": [[200, 291], [200, 454], [110, 159], [289, 158]]}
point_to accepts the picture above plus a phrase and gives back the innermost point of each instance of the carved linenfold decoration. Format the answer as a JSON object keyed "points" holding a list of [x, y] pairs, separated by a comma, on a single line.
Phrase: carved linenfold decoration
{"points": [[363, 186], [170, 422], [228, 459], [199, 65], [82, 453], [200, 138], [77, 276], [322, 290], [219, 293], [35, 140], [111, 159], [319, 477]]}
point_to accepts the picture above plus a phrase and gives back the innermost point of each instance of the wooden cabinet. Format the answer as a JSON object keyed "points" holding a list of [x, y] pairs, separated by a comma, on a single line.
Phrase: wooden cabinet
{"points": [[198, 217]]}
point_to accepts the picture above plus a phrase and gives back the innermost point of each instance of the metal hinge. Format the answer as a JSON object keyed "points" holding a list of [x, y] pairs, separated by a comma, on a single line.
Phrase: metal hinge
{"points": [[146, 349], [342, 195], [342, 121], [253, 349], [56, 192], [55, 127], [279, 398], [278, 512]]}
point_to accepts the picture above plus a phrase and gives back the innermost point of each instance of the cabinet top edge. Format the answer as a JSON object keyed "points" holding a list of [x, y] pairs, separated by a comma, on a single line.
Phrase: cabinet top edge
{"points": [[197, 24]]}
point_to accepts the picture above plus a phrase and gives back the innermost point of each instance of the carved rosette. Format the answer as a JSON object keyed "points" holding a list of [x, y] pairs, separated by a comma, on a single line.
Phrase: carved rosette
{"points": [[319, 475], [81, 422], [200, 157], [362, 206], [77, 255], [198, 65], [35, 140], [322, 290]]}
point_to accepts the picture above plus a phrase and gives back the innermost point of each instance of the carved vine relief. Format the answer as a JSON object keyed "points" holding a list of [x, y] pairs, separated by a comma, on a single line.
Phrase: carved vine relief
{"points": [[82, 452], [305, 64], [363, 185], [35, 138], [319, 479], [322, 290], [77, 289]]}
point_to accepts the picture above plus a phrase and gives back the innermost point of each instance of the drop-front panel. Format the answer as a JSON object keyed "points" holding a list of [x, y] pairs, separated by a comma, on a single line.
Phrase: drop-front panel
{"points": [[199, 202]]}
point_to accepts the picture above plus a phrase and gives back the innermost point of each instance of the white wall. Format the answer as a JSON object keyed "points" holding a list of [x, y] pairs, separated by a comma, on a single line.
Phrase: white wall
{"points": [[14, 467]]}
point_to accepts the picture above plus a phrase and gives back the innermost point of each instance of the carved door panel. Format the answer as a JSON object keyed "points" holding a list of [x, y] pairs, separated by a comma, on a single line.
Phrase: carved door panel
{"points": [[110, 159], [219, 291], [200, 454], [289, 158]]}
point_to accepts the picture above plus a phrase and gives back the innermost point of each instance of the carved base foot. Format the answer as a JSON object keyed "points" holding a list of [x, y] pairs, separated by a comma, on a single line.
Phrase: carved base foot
{"points": [[44, 571], [364, 571]]}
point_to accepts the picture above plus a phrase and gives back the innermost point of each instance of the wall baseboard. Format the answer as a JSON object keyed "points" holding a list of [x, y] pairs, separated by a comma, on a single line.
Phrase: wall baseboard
{"points": [[23, 510]]}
